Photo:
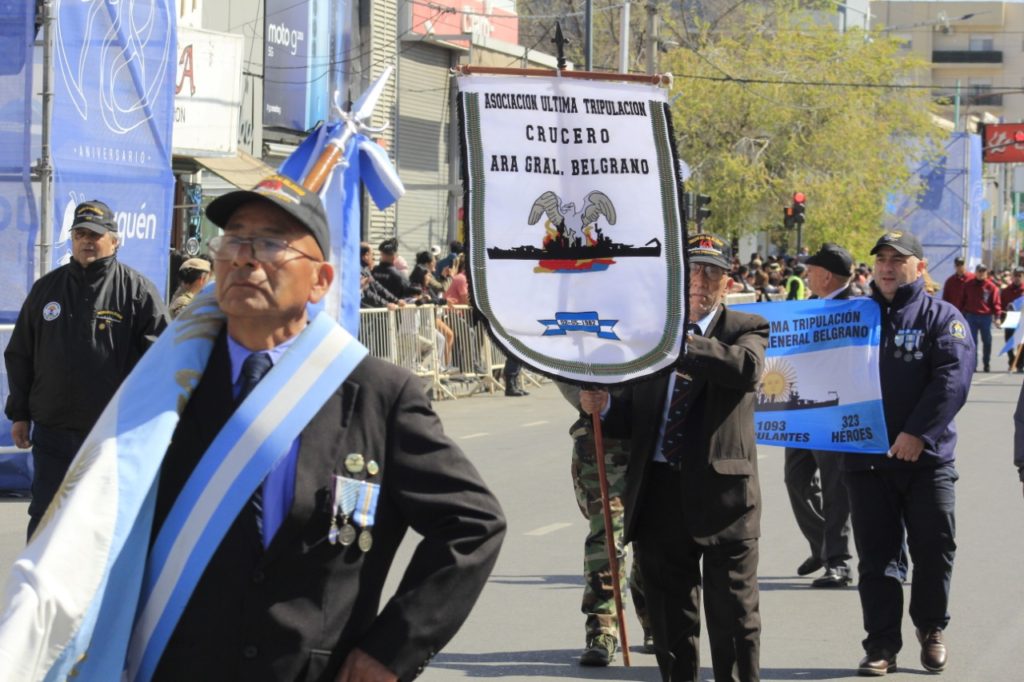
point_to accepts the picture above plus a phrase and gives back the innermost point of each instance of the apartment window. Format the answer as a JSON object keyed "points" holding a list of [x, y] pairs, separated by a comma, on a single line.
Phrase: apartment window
{"points": [[982, 44]]}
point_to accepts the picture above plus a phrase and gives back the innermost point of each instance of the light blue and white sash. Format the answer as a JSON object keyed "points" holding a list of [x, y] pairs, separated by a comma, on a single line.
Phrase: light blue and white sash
{"points": [[82, 572]]}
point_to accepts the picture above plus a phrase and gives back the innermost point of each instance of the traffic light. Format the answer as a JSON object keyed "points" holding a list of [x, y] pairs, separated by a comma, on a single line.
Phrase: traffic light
{"points": [[702, 211], [793, 215], [695, 208]]}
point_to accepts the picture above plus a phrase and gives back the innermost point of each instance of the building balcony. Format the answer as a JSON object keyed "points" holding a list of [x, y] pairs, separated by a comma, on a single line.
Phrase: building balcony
{"points": [[967, 57]]}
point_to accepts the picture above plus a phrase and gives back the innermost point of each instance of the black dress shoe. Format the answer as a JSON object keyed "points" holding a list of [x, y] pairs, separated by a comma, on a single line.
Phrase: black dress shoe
{"points": [[933, 650], [810, 565], [648, 642], [835, 576], [877, 664], [515, 392]]}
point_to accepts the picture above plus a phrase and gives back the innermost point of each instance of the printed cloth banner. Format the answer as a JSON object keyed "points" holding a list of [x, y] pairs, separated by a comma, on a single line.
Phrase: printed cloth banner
{"points": [[574, 223], [820, 389], [19, 221], [112, 118]]}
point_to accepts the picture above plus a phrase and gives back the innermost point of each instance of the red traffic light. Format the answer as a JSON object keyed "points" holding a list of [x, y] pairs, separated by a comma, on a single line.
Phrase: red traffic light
{"points": [[799, 197]]}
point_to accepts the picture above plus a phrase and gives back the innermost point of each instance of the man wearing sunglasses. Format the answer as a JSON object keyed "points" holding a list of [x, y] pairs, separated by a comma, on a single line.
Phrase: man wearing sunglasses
{"points": [[81, 330], [285, 595], [693, 503]]}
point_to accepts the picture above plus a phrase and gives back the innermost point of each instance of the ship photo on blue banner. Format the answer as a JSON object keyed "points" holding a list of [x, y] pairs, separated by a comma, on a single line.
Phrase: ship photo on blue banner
{"points": [[820, 389], [574, 225]]}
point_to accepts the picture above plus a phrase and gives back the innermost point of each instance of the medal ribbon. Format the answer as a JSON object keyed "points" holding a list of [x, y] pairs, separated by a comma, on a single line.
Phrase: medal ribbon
{"points": [[366, 505]]}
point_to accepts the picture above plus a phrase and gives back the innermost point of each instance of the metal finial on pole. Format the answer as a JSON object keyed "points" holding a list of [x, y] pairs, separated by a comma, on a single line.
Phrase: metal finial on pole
{"points": [[559, 41]]}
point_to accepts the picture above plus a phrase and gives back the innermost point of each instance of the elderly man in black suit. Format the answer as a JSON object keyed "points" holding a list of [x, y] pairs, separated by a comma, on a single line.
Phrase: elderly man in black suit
{"points": [[281, 598], [692, 495], [814, 478]]}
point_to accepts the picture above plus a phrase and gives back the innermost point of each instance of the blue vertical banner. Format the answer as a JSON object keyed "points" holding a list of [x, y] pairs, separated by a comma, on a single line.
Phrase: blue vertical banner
{"points": [[19, 221], [946, 214], [820, 388], [113, 114]]}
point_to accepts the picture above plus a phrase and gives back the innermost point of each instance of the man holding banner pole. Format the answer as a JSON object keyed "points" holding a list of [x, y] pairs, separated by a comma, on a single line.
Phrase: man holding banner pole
{"points": [[693, 502], [822, 508], [926, 364]]}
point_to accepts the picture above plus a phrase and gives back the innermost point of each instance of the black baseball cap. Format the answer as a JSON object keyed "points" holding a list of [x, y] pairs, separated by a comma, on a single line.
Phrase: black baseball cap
{"points": [[903, 242], [300, 203], [959, 260], [833, 258], [705, 247], [94, 215]]}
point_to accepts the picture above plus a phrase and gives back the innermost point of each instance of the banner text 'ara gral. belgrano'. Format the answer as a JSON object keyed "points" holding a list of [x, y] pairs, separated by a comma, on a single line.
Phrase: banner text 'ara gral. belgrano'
{"points": [[574, 223]]}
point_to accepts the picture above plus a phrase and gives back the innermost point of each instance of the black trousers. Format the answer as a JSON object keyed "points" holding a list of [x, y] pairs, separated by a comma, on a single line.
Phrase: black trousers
{"points": [[821, 506], [670, 563], [884, 502], [52, 452]]}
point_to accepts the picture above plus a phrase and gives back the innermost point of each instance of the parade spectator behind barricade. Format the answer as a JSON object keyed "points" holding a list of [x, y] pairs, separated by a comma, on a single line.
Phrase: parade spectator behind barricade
{"points": [[861, 283], [192, 277], [433, 293], [423, 277], [372, 293], [813, 478], [458, 289], [1008, 297], [796, 288], [926, 363], [693, 502], [446, 263], [953, 288], [601, 626], [388, 274], [289, 592], [741, 282], [81, 330], [979, 303]]}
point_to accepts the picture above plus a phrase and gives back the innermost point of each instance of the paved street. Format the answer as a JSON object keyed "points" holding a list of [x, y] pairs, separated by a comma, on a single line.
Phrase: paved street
{"points": [[527, 625]]}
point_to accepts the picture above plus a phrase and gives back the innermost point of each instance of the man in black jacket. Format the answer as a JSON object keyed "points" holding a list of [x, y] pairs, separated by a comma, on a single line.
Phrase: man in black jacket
{"points": [[693, 503], [78, 335], [820, 503], [282, 598]]}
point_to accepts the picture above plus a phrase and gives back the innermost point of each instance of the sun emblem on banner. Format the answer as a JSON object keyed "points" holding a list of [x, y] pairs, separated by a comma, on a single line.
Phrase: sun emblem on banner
{"points": [[777, 382]]}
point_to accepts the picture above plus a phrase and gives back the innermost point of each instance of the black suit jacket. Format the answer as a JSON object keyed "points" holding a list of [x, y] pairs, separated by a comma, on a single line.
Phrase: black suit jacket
{"points": [[295, 611], [719, 487]]}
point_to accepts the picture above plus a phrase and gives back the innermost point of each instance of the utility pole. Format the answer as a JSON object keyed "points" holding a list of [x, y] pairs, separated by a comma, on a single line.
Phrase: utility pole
{"points": [[652, 38], [588, 39], [44, 169], [624, 39]]}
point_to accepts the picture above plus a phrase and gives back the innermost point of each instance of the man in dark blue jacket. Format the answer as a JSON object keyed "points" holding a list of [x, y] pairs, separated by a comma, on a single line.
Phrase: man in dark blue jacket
{"points": [[926, 362]]}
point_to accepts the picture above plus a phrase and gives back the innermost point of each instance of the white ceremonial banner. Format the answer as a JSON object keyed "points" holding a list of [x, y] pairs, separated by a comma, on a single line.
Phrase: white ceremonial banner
{"points": [[574, 223]]}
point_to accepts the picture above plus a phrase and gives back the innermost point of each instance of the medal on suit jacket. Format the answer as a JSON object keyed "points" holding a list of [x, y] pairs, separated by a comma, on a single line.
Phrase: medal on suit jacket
{"points": [[366, 512], [346, 493]]}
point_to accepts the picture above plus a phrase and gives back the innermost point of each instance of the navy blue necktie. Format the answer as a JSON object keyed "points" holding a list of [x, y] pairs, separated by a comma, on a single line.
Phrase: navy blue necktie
{"points": [[679, 405], [254, 369]]}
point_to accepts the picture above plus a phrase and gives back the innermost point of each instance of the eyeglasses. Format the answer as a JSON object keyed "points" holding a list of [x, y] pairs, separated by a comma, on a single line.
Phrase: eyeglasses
{"points": [[264, 249], [711, 272]]}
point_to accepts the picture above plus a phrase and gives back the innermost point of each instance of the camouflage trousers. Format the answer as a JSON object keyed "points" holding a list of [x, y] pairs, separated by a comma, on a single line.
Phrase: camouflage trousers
{"points": [[598, 597]]}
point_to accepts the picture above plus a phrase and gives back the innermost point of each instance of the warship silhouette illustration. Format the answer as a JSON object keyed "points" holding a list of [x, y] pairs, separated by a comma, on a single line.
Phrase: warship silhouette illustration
{"points": [[794, 402]]}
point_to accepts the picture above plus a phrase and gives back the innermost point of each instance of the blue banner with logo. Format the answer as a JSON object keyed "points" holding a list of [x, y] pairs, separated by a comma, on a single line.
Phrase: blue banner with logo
{"points": [[19, 220], [112, 119], [820, 389]]}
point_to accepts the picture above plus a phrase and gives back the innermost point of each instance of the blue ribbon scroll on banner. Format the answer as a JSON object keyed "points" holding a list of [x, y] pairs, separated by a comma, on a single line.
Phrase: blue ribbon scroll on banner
{"points": [[820, 389], [579, 322], [113, 114], [19, 220]]}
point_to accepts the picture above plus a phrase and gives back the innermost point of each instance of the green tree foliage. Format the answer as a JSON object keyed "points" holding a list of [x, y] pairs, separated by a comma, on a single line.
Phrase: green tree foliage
{"points": [[769, 103], [768, 99]]}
